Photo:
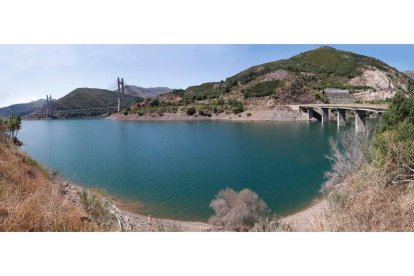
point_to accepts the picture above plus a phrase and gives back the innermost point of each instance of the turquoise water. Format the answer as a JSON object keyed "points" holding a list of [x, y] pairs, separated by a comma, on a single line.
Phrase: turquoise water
{"points": [[175, 168]]}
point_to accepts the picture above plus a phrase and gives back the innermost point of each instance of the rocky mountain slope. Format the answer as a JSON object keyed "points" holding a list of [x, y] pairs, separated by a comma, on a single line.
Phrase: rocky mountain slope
{"points": [[301, 79]]}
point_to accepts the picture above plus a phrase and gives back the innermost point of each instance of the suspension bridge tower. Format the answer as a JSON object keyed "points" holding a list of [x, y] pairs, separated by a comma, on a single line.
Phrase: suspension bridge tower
{"points": [[49, 106], [121, 93]]}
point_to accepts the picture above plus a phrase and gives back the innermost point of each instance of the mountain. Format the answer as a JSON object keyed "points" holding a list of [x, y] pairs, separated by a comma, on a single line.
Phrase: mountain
{"points": [[22, 109], [410, 74], [301, 79], [90, 98], [146, 93]]}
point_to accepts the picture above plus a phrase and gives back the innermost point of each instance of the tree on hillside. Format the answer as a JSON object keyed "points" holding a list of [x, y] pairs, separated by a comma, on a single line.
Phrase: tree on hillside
{"points": [[237, 211], [394, 138], [13, 125]]}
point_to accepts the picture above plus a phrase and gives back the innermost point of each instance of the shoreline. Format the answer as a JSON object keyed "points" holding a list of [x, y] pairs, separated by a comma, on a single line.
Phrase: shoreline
{"points": [[305, 220], [137, 222], [280, 113], [301, 220]]}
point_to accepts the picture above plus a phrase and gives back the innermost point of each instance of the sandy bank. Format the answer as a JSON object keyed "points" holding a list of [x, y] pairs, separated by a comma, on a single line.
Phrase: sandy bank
{"points": [[280, 113], [307, 219], [132, 221]]}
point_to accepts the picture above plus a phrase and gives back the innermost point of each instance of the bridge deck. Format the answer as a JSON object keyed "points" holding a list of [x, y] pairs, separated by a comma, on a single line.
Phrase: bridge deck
{"points": [[362, 107]]}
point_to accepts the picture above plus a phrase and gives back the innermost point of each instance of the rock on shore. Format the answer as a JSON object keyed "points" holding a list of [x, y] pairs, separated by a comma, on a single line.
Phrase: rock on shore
{"points": [[280, 113]]}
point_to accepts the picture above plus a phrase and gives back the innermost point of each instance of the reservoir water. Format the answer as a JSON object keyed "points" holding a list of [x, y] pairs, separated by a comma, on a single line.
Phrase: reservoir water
{"points": [[174, 169]]}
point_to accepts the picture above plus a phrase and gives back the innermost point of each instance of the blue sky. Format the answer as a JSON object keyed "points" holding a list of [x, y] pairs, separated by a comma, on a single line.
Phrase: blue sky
{"points": [[29, 72]]}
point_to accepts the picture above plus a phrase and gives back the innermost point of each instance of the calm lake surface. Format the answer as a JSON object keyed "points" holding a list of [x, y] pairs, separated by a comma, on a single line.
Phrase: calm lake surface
{"points": [[175, 168]]}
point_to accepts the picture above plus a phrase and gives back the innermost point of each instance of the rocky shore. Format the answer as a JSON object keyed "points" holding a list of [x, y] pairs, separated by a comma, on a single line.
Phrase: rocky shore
{"points": [[279, 113], [124, 220]]}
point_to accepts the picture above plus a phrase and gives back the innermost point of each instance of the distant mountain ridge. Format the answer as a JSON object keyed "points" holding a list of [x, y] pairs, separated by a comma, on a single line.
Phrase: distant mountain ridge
{"points": [[85, 98], [22, 109], [150, 92], [410, 74]]}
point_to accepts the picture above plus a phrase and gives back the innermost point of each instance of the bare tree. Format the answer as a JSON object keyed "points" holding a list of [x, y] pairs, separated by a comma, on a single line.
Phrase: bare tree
{"points": [[237, 211], [347, 154]]}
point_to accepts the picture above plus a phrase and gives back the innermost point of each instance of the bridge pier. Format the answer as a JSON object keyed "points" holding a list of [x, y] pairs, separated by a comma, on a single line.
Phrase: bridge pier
{"points": [[360, 111], [325, 115], [310, 113], [360, 121], [341, 117]]}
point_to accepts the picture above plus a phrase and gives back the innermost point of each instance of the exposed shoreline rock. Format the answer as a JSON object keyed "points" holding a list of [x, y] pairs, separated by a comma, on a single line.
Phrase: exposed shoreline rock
{"points": [[279, 113]]}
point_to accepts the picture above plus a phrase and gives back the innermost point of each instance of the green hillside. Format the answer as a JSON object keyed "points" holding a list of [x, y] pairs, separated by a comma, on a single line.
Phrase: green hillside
{"points": [[307, 73], [325, 62], [299, 79], [90, 98]]}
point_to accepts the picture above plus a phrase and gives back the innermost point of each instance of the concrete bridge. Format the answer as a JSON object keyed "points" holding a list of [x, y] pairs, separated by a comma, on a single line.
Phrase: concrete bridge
{"points": [[360, 111]]}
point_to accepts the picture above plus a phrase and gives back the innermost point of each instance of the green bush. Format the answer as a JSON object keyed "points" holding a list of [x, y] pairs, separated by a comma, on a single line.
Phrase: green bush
{"points": [[93, 204], [236, 106], [262, 89], [191, 111], [394, 137], [154, 102], [401, 109]]}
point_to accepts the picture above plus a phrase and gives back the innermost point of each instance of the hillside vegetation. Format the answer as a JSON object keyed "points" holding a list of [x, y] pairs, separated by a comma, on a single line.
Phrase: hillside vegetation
{"points": [[300, 79]]}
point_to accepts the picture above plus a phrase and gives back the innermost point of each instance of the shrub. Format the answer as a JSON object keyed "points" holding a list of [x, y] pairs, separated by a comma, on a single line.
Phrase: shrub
{"points": [[347, 154], [191, 111], [237, 211], [236, 106], [249, 114], [13, 125], [93, 205], [401, 109], [394, 138], [154, 102], [220, 101]]}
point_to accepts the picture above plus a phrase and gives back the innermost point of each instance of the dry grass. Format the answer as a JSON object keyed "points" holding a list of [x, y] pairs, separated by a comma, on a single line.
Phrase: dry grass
{"points": [[367, 202], [30, 201], [364, 196]]}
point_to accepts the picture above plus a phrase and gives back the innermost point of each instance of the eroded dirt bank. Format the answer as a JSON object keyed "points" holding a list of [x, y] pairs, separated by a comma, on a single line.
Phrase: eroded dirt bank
{"points": [[282, 113]]}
